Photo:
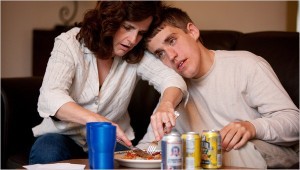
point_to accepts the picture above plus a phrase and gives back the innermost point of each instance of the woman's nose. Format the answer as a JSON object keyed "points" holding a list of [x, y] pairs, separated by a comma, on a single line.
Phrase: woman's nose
{"points": [[133, 37]]}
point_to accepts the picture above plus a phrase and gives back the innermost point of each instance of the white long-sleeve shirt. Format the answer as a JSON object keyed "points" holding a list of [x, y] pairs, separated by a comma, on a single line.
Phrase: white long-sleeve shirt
{"points": [[72, 76], [240, 86]]}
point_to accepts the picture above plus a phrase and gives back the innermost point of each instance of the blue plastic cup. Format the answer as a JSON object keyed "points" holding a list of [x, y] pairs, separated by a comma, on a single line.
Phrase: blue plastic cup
{"points": [[88, 126], [101, 140]]}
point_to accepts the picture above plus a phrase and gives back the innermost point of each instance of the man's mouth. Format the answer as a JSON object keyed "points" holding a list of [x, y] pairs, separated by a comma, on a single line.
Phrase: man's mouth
{"points": [[180, 65]]}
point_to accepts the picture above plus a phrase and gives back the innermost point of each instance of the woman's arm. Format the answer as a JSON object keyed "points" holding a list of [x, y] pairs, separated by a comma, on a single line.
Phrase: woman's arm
{"points": [[163, 119], [172, 87]]}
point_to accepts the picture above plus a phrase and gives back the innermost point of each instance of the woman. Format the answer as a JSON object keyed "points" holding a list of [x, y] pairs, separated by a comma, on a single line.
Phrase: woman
{"points": [[91, 75]]}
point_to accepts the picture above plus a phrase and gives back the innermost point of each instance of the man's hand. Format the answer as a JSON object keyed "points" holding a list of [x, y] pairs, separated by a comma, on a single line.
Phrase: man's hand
{"points": [[237, 134]]}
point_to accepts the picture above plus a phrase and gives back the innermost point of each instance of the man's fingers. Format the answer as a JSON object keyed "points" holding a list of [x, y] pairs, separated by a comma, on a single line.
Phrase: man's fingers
{"points": [[226, 139], [224, 132], [241, 143], [234, 140]]}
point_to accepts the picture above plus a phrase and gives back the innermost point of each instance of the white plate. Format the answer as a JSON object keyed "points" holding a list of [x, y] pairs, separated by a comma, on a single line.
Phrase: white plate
{"points": [[136, 163]]}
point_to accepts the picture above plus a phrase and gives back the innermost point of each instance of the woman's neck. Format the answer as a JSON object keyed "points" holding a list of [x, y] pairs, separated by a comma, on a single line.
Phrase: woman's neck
{"points": [[103, 67]]}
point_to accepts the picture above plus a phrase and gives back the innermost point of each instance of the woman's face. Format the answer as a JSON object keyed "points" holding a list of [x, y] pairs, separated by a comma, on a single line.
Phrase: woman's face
{"points": [[129, 35]]}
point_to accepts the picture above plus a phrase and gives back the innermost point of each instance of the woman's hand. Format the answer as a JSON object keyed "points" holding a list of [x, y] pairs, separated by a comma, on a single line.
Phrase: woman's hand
{"points": [[121, 135], [119, 132], [72, 112], [163, 119], [237, 134]]}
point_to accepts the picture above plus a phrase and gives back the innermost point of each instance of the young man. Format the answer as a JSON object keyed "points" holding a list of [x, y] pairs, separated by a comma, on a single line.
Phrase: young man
{"points": [[235, 92]]}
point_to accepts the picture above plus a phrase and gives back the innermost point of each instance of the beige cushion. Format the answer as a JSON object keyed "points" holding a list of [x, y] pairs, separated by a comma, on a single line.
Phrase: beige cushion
{"points": [[277, 156]]}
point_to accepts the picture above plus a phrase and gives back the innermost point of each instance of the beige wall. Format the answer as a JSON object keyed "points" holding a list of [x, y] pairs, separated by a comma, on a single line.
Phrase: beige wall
{"points": [[18, 19], [241, 16]]}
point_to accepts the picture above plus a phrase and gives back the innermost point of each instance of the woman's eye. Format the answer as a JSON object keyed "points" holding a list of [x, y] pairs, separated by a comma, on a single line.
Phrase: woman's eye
{"points": [[126, 27], [142, 33]]}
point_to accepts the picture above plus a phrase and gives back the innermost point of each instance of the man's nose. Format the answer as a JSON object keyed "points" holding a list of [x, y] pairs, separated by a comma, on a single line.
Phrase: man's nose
{"points": [[171, 54]]}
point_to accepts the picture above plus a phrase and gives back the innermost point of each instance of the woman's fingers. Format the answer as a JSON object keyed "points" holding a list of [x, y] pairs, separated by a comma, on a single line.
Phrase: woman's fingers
{"points": [[162, 123], [121, 135], [157, 127]]}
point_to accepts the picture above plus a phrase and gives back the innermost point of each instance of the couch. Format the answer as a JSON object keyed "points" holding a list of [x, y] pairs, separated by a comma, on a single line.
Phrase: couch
{"points": [[19, 95]]}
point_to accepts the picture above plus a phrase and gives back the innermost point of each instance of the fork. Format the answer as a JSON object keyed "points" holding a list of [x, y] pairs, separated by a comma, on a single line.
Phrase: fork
{"points": [[153, 145], [136, 150]]}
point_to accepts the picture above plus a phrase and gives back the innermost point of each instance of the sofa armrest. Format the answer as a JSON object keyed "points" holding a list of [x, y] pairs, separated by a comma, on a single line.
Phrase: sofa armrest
{"points": [[19, 114]]}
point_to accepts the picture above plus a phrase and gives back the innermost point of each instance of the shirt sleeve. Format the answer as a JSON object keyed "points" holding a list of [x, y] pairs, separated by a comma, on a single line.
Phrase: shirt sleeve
{"points": [[57, 80], [279, 122], [160, 76]]}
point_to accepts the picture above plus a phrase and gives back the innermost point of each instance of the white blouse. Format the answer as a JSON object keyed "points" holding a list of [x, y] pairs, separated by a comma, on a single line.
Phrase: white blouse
{"points": [[72, 76]]}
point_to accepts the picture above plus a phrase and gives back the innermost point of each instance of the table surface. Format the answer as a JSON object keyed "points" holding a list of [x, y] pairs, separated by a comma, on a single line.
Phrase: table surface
{"points": [[86, 163]]}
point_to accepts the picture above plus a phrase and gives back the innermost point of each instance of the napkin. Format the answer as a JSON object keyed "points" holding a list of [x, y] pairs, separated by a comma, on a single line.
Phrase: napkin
{"points": [[55, 166]]}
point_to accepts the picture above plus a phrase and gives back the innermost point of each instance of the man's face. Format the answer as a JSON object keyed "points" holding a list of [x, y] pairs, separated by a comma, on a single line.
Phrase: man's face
{"points": [[178, 50]]}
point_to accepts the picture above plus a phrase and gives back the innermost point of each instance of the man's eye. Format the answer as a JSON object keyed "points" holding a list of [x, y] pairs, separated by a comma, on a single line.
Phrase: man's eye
{"points": [[160, 55], [172, 41]]}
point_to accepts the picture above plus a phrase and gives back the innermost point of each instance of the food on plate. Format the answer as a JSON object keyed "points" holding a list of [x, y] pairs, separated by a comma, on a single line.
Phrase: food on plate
{"points": [[132, 155]]}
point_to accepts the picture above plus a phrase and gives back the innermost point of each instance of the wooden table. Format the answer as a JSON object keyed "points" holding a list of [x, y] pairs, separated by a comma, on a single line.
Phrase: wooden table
{"points": [[86, 163]]}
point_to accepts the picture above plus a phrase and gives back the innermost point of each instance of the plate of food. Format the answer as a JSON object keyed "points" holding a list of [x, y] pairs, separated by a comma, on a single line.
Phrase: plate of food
{"points": [[130, 159]]}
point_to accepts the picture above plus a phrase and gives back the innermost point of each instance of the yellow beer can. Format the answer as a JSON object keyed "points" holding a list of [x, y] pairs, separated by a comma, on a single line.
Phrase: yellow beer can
{"points": [[211, 149], [191, 150]]}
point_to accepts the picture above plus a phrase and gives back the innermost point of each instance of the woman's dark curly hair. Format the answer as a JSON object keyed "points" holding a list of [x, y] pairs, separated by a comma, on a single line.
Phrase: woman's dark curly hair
{"points": [[100, 25]]}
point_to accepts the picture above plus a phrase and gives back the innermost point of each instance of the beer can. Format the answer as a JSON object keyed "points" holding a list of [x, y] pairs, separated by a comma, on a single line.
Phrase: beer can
{"points": [[191, 150], [171, 151], [211, 149]]}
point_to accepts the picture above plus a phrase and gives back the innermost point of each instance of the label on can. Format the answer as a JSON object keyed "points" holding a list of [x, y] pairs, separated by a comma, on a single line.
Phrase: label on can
{"points": [[171, 151], [211, 149], [191, 150]]}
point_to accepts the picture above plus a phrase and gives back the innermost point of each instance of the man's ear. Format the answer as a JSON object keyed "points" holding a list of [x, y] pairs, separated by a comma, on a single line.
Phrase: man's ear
{"points": [[193, 30]]}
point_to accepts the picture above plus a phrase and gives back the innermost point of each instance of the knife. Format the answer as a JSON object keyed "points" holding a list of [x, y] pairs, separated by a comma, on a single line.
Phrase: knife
{"points": [[136, 150]]}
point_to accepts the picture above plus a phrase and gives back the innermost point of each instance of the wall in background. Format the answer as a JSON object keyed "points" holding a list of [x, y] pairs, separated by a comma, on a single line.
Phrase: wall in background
{"points": [[244, 16], [298, 18], [19, 18]]}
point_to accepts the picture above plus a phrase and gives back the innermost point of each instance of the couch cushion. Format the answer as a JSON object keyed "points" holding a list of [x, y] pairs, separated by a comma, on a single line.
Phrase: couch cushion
{"points": [[281, 50], [220, 40], [141, 107]]}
